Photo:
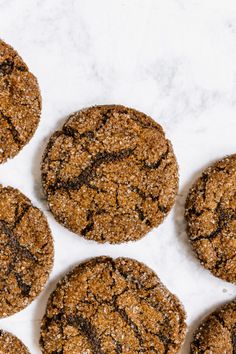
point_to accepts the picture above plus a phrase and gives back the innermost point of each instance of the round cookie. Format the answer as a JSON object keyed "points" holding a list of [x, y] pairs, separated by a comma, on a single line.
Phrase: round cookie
{"points": [[217, 333], [26, 251], [20, 103], [110, 174], [111, 306], [211, 218], [10, 344]]}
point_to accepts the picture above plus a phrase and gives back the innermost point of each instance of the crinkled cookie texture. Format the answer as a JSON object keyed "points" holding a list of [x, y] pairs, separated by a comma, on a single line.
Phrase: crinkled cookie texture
{"points": [[20, 103], [110, 174], [107, 306], [26, 251], [211, 218], [10, 344], [217, 333]]}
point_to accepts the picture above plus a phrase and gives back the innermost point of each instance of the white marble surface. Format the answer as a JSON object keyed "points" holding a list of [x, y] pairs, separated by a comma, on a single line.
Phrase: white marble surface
{"points": [[173, 59]]}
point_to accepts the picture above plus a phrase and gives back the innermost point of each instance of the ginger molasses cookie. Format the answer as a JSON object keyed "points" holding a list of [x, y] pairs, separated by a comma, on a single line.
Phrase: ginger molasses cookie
{"points": [[217, 333], [111, 306], [20, 103], [10, 344], [110, 174], [26, 251], [211, 218]]}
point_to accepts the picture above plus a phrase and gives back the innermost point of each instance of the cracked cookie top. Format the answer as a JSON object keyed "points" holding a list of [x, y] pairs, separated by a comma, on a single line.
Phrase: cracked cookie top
{"points": [[11, 344], [110, 174], [107, 306], [211, 218], [20, 103], [26, 251], [217, 333]]}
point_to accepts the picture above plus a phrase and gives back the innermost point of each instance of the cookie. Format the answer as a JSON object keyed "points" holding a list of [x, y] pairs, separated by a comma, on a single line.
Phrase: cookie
{"points": [[110, 174], [10, 344], [217, 333], [107, 306], [20, 103], [26, 251], [211, 218]]}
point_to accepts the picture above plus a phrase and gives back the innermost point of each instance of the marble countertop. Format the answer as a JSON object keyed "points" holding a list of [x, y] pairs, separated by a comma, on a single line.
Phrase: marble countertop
{"points": [[174, 60]]}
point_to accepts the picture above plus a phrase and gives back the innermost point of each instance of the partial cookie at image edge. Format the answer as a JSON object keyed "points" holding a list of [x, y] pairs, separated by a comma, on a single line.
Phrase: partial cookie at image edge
{"points": [[216, 333], [104, 304], [10, 344], [26, 251], [210, 214], [20, 103]]}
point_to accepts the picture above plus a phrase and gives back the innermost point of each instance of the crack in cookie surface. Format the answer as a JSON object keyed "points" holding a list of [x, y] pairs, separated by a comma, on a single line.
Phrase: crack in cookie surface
{"points": [[20, 103], [211, 217], [112, 306], [114, 159], [26, 251]]}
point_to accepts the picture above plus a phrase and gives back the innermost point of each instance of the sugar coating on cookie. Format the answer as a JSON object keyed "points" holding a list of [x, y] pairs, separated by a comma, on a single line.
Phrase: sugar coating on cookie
{"points": [[109, 306], [20, 103], [26, 251], [10, 344], [217, 333], [211, 218], [110, 174]]}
